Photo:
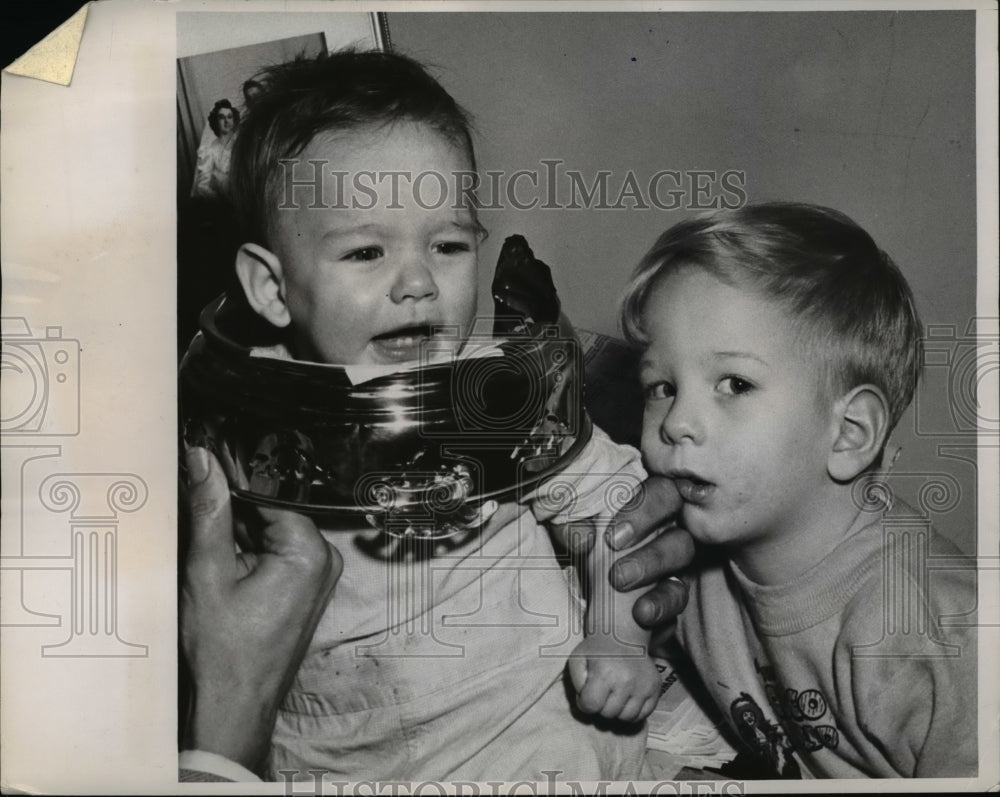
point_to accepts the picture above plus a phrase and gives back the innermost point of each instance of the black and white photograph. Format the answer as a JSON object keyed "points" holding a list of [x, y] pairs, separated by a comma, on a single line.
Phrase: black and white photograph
{"points": [[486, 400]]}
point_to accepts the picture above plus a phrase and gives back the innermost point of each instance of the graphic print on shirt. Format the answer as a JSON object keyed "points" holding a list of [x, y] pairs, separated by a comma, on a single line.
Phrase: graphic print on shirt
{"points": [[798, 729], [766, 740], [799, 713]]}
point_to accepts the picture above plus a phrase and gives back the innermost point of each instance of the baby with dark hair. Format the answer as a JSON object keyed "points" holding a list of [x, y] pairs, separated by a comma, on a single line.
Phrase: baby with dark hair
{"points": [[780, 348], [451, 666]]}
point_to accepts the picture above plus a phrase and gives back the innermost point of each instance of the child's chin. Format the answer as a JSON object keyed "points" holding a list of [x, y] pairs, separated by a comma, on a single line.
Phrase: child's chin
{"points": [[704, 528]]}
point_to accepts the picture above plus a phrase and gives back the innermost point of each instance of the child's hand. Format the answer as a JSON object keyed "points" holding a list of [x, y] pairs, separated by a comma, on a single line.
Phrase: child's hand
{"points": [[612, 680]]}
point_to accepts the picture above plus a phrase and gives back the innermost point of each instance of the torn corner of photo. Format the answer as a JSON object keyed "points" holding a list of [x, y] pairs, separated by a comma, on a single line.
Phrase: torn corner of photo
{"points": [[54, 57]]}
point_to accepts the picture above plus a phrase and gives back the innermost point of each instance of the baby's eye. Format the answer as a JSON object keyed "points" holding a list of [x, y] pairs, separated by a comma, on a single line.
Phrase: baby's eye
{"points": [[364, 254], [658, 390], [451, 247], [735, 386]]}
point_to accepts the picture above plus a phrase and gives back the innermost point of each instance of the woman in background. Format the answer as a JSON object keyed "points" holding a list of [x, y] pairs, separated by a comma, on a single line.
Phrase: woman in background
{"points": [[211, 176]]}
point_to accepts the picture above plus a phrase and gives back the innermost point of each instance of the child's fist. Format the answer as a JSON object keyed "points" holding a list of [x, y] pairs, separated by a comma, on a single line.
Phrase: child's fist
{"points": [[613, 680]]}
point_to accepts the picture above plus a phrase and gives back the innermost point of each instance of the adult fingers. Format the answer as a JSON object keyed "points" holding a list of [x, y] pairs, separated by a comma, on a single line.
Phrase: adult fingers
{"points": [[655, 505], [659, 558], [661, 604], [210, 551], [246, 520], [295, 539]]}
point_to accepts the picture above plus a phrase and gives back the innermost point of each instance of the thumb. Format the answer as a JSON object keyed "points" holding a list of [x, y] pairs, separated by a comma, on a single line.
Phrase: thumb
{"points": [[211, 545]]}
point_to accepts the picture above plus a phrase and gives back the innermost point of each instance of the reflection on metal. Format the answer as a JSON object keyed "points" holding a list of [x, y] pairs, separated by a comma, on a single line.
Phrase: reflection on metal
{"points": [[417, 453]]}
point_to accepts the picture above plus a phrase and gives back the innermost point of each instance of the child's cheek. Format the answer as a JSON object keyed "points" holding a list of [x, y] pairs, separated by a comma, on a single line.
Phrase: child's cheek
{"points": [[651, 445]]}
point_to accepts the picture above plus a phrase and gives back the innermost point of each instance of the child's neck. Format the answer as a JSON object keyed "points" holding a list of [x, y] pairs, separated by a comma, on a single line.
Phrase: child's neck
{"points": [[829, 519]]}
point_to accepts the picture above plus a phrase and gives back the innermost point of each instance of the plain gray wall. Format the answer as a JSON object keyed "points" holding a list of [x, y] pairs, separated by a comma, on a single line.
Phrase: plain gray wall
{"points": [[872, 113]]}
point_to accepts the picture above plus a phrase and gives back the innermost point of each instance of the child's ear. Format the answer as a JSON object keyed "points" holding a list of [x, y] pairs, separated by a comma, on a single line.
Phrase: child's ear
{"points": [[259, 272], [862, 426]]}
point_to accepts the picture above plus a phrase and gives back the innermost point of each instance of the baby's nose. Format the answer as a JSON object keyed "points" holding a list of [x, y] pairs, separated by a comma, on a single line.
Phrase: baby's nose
{"points": [[414, 281]]}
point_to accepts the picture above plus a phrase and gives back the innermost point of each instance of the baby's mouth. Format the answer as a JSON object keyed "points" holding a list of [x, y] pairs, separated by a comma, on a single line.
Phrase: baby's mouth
{"points": [[403, 343]]}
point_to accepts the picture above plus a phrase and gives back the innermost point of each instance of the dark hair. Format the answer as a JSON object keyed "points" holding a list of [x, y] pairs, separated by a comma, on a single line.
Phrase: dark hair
{"points": [[855, 307], [213, 116], [248, 85], [339, 91]]}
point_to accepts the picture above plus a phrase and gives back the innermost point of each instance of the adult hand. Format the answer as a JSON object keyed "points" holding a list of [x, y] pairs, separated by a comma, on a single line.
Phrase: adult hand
{"points": [[246, 618], [658, 561]]}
